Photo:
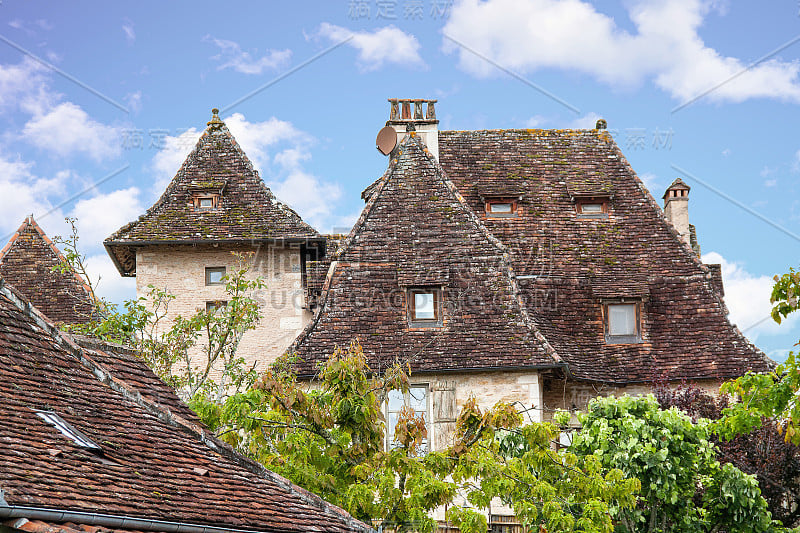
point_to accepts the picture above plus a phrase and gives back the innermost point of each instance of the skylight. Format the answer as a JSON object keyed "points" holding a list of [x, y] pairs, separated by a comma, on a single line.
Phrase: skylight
{"points": [[67, 430]]}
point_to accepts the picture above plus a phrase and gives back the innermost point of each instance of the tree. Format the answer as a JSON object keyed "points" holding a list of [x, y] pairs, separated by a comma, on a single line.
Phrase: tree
{"points": [[328, 436], [185, 352], [684, 486], [762, 452], [774, 395]]}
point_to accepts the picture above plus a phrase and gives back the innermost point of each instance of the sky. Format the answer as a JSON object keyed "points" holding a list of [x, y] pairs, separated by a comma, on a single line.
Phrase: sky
{"points": [[101, 101]]}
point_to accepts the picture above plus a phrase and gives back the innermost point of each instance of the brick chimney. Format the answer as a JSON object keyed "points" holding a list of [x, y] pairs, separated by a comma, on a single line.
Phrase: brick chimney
{"points": [[676, 209], [413, 114]]}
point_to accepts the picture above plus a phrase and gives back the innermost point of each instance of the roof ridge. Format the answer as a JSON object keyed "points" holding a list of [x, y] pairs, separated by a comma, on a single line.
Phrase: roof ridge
{"points": [[219, 447]]}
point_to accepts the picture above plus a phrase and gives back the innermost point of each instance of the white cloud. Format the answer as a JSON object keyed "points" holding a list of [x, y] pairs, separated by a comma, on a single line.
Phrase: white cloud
{"points": [[586, 122], [573, 35], [536, 121], [747, 297], [100, 216], [232, 56], [67, 129], [388, 44], [134, 101], [650, 181], [23, 193], [258, 139], [278, 150], [109, 283], [168, 160], [25, 85], [130, 33]]}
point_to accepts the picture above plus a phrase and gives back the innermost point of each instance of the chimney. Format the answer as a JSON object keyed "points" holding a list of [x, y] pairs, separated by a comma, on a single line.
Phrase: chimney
{"points": [[676, 209], [407, 114]]}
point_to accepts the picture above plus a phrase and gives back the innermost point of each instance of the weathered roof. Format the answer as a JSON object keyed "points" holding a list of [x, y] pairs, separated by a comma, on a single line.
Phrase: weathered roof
{"points": [[122, 363], [570, 264], [155, 470], [564, 266], [416, 230], [29, 262], [247, 208]]}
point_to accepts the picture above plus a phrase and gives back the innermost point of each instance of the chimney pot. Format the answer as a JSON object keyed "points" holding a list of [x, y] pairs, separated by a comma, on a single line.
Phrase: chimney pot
{"points": [[601, 124], [421, 118]]}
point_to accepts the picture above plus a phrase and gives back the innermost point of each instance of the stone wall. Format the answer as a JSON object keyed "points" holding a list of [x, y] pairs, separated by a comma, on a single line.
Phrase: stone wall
{"points": [[575, 395], [181, 271]]}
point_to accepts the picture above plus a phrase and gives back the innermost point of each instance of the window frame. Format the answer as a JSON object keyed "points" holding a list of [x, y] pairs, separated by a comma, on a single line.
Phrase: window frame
{"points": [[212, 270], [489, 202], [199, 197], [413, 320], [636, 337], [591, 200], [215, 305], [426, 447]]}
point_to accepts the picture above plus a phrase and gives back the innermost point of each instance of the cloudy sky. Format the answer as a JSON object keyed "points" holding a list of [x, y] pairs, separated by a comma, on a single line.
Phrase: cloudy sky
{"points": [[101, 101]]}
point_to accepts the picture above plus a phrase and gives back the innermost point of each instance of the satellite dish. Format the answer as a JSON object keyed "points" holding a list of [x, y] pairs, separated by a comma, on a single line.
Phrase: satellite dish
{"points": [[387, 140]]}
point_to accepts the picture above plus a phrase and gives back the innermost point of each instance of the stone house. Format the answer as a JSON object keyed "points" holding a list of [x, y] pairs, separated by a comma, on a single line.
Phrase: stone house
{"points": [[92, 442], [528, 266], [216, 206]]}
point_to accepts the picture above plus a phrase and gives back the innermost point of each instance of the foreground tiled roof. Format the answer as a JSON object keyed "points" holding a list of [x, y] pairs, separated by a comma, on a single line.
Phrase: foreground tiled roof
{"points": [[122, 363], [415, 231], [247, 209], [154, 466], [567, 266], [28, 261]]}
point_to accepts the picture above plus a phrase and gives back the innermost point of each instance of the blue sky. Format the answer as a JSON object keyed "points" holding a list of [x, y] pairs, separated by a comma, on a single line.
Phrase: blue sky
{"points": [[102, 100]]}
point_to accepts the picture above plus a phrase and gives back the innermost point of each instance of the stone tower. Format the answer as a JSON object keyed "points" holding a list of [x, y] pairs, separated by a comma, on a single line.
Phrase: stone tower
{"points": [[215, 206]]}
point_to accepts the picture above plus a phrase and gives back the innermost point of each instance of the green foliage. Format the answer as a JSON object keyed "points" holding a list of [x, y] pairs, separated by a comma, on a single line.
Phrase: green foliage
{"points": [[328, 436], [774, 395], [185, 352], [683, 486]]}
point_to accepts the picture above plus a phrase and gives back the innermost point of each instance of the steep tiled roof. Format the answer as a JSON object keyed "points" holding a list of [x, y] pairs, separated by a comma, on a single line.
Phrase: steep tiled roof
{"points": [[27, 262], [155, 471], [246, 211], [416, 230], [568, 265], [122, 363]]}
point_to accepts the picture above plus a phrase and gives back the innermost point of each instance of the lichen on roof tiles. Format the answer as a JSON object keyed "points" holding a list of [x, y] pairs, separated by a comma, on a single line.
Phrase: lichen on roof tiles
{"points": [[246, 209]]}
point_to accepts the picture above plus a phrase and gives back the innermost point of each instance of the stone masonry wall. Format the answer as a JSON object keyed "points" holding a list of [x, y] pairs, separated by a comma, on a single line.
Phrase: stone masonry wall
{"points": [[181, 270], [574, 395]]}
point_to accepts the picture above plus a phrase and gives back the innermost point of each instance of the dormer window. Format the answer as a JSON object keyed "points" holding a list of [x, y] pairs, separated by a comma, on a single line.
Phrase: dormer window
{"points": [[425, 307], [206, 201], [501, 207], [622, 321], [596, 207]]}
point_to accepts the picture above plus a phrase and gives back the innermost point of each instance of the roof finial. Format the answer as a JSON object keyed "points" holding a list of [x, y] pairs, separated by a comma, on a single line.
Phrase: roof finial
{"points": [[215, 122]]}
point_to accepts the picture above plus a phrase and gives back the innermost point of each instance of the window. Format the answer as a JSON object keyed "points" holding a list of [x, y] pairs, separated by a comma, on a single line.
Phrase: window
{"points": [[416, 399], [215, 305], [214, 275], [205, 201], [622, 322], [424, 307], [592, 207], [501, 208], [67, 430]]}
